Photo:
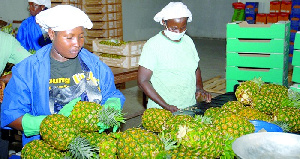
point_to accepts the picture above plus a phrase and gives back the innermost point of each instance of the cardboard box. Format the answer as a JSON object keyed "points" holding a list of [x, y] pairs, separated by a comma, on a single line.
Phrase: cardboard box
{"points": [[251, 7], [105, 8], [97, 2], [257, 45], [261, 18], [278, 30], [104, 33], [259, 60], [105, 16], [275, 6], [283, 16], [107, 24], [296, 74], [123, 62], [129, 49], [286, 7], [272, 18], [276, 75], [296, 58]]}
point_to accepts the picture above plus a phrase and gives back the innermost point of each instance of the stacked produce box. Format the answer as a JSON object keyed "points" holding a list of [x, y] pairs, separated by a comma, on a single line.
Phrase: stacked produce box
{"points": [[118, 53], [76, 3], [257, 50], [296, 64], [106, 16]]}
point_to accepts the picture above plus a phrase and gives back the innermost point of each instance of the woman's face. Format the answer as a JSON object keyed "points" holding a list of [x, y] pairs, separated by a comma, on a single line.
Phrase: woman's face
{"points": [[177, 25], [66, 44], [34, 8]]}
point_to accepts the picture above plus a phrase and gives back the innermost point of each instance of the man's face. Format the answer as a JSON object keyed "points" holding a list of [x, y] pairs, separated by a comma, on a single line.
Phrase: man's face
{"points": [[66, 44], [34, 8], [177, 25]]}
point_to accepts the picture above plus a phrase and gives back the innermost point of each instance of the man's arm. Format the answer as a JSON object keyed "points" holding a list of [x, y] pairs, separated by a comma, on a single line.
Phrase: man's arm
{"points": [[200, 92]]}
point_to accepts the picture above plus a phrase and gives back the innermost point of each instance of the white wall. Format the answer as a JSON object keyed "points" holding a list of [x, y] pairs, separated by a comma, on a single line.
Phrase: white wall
{"points": [[13, 10], [209, 16]]}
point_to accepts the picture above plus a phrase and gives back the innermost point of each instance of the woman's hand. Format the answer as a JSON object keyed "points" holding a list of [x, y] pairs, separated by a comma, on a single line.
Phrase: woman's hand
{"points": [[202, 95], [172, 108]]}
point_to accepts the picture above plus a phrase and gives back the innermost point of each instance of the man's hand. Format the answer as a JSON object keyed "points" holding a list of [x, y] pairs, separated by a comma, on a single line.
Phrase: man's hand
{"points": [[202, 95]]}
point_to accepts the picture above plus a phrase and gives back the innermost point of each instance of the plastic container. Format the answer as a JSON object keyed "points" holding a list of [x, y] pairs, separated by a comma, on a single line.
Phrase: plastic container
{"points": [[269, 127]]}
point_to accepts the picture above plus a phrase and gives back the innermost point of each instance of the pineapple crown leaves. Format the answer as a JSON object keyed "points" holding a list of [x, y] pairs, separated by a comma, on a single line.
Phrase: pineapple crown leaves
{"points": [[228, 153], [284, 125], [293, 99], [258, 81], [80, 148], [168, 142], [110, 117], [203, 119]]}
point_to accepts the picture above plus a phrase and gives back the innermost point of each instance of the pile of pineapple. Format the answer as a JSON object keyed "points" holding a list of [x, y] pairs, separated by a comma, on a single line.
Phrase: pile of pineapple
{"points": [[164, 135]]}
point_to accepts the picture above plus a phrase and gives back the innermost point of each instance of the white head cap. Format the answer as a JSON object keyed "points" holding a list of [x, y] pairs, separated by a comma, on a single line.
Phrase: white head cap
{"points": [[172, 11], [62, 18], [47, 3]]}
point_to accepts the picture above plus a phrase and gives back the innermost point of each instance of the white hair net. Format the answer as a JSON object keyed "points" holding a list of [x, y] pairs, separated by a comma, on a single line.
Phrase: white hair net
{"points": [[47, 3], [172, 11], [62, 18]]}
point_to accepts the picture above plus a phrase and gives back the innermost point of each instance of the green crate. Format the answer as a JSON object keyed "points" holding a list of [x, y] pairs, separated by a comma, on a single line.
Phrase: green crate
{"points": [[280, 30], [257, 46], [276, 75], [296, 74], [297, 41], [296, 58], [231, 84], [295, 87], [271, 60]]}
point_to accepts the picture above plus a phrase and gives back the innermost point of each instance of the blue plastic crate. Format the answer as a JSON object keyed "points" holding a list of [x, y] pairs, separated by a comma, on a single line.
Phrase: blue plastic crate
{"points": [[269, 127]]}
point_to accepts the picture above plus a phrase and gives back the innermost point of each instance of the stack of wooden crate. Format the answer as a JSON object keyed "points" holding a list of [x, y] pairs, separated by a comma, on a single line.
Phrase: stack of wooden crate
{"points": [[296, 64], [106, 16], [257, 50], [124, 55], [75, 3]]}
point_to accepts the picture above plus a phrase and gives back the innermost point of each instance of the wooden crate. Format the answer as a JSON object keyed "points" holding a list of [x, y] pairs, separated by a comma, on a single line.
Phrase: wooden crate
{"points": [[123, 62], [215, 85], [105, 8], [105, 17], [95, 2], [104, 33], [107, 24], [129, 49]]}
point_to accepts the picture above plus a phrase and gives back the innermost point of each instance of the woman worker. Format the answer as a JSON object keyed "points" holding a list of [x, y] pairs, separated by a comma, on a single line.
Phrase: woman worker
{"points": [[30, 34], [58, 73], [168, 73]]}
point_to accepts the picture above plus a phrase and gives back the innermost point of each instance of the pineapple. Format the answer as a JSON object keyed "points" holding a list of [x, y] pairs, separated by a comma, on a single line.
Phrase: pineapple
{"points": [[39, 149], [233, 125], [171, 126], [110, 117], [58, 131], [270, 98], [254, 114], [108, 146], [139, 143], [94, 138], [153, 119], [246, 90], [233, 106], [290, 115], [200, 139], [85, 116], [81, 148]]}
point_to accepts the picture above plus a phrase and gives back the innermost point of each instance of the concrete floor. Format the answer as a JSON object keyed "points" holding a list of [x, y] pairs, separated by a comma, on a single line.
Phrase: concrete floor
{"points": [[212, 53]]}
